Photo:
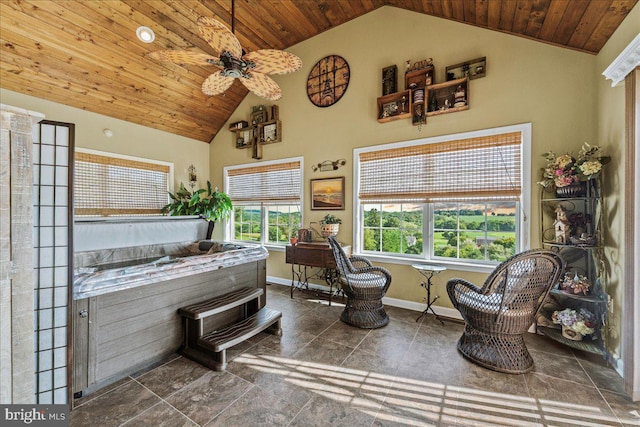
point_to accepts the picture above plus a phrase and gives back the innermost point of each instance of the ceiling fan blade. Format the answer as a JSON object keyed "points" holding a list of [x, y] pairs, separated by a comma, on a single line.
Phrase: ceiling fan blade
{"points": [[219, 37], [216, 84], [263, 86], [272, 61], [183, 57]]}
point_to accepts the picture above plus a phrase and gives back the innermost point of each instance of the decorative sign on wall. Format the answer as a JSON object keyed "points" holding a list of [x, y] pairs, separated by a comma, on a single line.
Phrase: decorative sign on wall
{"points": [[328, 165]]}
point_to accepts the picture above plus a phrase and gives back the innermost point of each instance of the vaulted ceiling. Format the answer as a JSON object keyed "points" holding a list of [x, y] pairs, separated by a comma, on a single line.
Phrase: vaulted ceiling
{"points": [[85, 54]]}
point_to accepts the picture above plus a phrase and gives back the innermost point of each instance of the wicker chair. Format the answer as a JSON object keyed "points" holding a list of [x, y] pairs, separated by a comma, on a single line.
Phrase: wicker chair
{"points": [[364, 285], [498, 314]]}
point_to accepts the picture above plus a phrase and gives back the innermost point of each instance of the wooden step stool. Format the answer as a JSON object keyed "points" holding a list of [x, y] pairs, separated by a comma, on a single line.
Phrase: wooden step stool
{"points": [[210, 348]]}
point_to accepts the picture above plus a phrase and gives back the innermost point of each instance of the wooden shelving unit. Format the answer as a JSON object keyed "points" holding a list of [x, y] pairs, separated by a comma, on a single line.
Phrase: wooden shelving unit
{"points": [[443, 98], [395, 106]]}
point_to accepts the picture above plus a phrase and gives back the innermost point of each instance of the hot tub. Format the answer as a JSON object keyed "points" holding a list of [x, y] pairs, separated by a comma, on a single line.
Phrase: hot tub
{"points": [[111, 270], [126, 297]]}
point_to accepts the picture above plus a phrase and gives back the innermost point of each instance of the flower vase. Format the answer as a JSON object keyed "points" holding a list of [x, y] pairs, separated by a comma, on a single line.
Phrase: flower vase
{"points": [[575, 189], [569, 333]]}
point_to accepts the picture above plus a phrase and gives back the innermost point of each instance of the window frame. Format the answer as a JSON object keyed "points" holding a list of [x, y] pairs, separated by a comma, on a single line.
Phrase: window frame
{"points": [[229, 231], [523, 205]]}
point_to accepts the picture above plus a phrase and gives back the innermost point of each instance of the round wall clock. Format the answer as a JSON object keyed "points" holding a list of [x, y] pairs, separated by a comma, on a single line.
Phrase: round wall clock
{"points": [[328, 81]]}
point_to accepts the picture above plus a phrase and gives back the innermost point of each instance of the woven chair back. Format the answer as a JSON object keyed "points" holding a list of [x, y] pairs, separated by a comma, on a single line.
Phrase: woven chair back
{"points": [[524, 280], [342, 260]]}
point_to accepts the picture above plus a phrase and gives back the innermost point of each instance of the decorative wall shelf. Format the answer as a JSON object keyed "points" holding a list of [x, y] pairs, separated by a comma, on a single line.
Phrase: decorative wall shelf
{"points": [[420, 78], [423, 96], [447, 97], [473, 69], [416, 79], [265, 127], [395, 106]]}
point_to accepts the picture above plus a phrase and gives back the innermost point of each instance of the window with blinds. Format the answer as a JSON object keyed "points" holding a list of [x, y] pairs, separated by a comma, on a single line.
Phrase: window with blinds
{"points": [[267, 200], [105, 185], [456, 198], [265, 183], [488, 166]]}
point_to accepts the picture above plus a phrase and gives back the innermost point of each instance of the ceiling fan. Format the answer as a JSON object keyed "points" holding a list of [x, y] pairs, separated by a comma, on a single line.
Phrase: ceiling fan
{"points": [[250, 68]]}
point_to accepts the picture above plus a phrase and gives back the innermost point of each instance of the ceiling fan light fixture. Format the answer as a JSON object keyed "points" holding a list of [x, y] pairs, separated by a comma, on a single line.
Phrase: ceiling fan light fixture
{"points": [[145, 34], [251, 68]]}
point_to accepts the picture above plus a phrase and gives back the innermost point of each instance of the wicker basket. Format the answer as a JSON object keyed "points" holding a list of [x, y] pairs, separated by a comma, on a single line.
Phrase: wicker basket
{"points": [[329, 230]]}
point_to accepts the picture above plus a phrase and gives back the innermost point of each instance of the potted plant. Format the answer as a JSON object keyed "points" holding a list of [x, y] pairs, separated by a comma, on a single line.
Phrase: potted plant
{"points": [[330, 225], [212, 205], [293, 234], [575, 324]]}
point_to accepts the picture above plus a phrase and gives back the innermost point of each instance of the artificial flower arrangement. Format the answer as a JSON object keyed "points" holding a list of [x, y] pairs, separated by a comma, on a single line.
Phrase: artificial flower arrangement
{"points": [[564, 170], [575, 324], [577, 284]]}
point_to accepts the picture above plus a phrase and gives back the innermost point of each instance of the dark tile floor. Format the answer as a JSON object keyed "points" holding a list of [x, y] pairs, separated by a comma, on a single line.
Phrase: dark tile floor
{"points": [[322, 372]]}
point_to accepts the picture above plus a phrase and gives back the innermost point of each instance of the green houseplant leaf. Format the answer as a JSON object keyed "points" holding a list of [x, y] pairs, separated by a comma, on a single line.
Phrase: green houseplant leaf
{"points": [[209, 203], [330, 219]]}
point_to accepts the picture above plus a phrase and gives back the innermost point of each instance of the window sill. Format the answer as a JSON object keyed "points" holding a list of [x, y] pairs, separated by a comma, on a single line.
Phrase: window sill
{"points": [[451, 265]]}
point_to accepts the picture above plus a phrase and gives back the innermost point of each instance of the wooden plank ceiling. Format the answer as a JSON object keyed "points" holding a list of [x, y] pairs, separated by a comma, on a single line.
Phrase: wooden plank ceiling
{"points": [[85, 53]]}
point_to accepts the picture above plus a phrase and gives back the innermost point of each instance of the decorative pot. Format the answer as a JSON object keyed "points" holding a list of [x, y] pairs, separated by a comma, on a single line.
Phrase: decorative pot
{"points": [[329, 229], [575, 189], [293, 240], [569, 333]]}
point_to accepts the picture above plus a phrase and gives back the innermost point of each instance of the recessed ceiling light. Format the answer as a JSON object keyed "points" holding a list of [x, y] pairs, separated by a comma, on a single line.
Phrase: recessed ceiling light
{"points": [[145, 34]]}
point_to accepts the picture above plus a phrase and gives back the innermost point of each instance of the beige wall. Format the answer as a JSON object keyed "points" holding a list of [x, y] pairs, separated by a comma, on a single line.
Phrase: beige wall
{"points": [[560, 91], [128, 138], [611, 127], [551, 87]]}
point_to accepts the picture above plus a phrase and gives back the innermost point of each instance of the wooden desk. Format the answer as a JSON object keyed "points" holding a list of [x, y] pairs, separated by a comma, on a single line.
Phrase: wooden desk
{"points": [[313, 255]]}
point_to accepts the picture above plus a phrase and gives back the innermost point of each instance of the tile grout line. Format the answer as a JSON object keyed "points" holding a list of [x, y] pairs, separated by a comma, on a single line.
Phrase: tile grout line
{"points": [[161, 401], [235, 400], [395, 375], [96, 394], [615, 414]]}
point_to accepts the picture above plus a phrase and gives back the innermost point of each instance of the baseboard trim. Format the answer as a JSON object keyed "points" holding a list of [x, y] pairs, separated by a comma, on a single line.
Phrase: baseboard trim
{"points": [[451, 313]]}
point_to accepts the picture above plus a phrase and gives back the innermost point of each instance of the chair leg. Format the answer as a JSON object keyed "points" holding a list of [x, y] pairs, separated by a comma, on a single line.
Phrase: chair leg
{"points": [[367, 314], [499, 352]]}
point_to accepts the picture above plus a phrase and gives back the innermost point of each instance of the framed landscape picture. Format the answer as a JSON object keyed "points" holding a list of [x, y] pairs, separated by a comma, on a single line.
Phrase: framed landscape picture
{"points": [[327, 193]]}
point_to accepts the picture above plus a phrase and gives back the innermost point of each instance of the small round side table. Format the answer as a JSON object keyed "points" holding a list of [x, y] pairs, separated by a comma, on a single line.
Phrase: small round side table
{"points": [[428, 271]]}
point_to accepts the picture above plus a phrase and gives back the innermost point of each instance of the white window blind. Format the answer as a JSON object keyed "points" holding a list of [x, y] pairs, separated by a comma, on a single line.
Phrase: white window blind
{"points": [[106, 186], [265, 183], [471, 168]]}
